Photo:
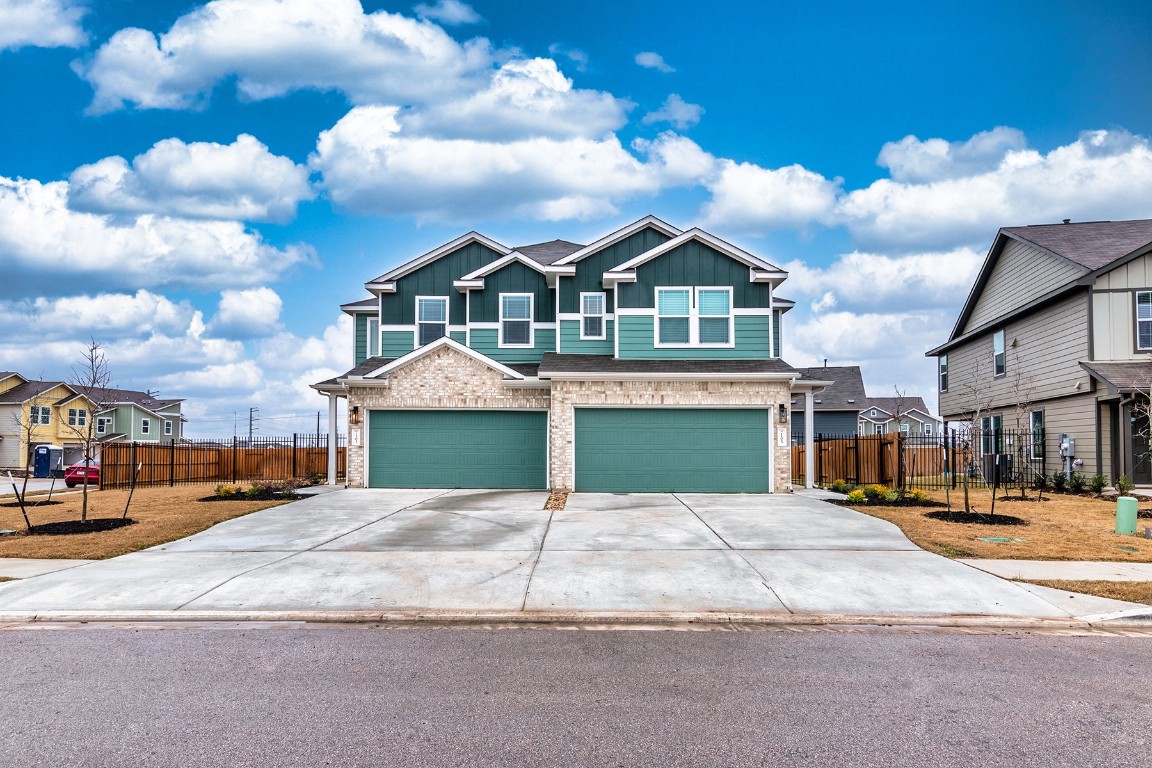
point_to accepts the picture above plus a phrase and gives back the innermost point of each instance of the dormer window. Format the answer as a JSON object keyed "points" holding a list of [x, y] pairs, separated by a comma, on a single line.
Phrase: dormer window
{"points": [[592, 316], [516, 320], [431, 318], [695, 317]]}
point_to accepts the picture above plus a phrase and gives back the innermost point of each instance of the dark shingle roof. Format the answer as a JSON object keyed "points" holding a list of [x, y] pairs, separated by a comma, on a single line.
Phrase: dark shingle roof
{"points": [[371, 303], [6, 374], [1091, 244], [553, 363], [550, 252], [1123, 377], [109, 395], [845, 394], [28, 390], [892, 404], [527, 369]]}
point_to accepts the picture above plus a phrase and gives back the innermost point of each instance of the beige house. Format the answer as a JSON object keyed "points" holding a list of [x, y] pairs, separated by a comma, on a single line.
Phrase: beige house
{"points": [[1055, 339]]}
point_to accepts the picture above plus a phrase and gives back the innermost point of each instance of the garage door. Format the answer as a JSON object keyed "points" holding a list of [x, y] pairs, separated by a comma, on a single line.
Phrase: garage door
{"points": [[672, 449], [457, 449]]}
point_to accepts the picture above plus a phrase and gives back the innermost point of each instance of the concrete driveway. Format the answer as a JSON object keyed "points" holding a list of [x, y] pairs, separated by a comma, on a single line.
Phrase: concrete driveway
{"points": [[498, 553]]}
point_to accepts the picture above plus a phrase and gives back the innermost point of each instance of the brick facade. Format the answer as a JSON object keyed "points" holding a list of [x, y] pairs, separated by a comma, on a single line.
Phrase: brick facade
{"points": [[448, 378]]}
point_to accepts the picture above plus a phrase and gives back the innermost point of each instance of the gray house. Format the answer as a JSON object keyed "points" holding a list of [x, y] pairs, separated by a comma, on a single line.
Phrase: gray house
{"points": [[648, 360], [836, 408], [1055, 339], [881, 415]]}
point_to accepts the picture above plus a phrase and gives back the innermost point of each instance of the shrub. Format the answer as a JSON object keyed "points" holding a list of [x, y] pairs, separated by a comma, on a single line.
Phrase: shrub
{"points": [[1041, 482], [857, 497], [874, 491], [841, 486], [1124, 485], [891, 497], [1077, 483], [225, 491], [315, 478], [918, 495], [1098, 483], [274, 489], [1059, 482]]}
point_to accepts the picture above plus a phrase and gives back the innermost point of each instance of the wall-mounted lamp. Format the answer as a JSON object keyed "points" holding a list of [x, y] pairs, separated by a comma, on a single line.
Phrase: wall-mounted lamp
{"points": [[783, 413], [354, 415]]}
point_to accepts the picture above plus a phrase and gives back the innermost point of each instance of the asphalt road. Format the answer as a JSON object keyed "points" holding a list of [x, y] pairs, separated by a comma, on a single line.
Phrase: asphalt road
{"points": [[257, 695]]}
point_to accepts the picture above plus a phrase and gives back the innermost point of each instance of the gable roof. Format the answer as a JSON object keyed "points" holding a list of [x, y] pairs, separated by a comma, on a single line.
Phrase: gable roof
{"points": [[108, 396], [364, 305], [618, 235], [22, 393], [475, 278], [549, 252], [845, 393], [891, 404], [386, 281], [1092, 246], [1127, 377], [427, 349], [759, 270]]}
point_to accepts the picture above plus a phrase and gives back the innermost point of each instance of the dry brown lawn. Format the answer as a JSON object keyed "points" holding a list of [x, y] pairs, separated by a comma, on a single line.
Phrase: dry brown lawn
{"points": [[1132, 591], [161, 514], [1061, 528]]}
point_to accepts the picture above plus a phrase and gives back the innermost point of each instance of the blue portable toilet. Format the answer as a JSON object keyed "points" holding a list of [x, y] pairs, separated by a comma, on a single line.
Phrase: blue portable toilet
{"points": [[45, 459]]}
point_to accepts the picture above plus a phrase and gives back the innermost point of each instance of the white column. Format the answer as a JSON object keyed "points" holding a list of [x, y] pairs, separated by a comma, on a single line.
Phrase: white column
{"points": [[809, 439], [332, 399]]}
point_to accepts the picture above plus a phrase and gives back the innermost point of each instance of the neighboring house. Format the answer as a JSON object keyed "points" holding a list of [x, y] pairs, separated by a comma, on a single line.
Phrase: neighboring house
{"points": [[1055, 339], [60, 414], [646, 361], [837, 408], [881, 415]]}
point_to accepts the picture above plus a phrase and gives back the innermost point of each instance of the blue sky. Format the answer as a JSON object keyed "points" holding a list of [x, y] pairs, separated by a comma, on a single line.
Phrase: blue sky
{"points": [[198, 187]]}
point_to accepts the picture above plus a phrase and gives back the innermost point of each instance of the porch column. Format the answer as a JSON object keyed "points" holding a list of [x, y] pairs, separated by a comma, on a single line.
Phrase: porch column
{"points": [[332, 439], [809, 439]]}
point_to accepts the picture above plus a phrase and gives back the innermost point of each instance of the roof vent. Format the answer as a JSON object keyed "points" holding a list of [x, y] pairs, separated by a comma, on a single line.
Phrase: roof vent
{"points": [[817, 401], [851, 400], [1067, 221]]}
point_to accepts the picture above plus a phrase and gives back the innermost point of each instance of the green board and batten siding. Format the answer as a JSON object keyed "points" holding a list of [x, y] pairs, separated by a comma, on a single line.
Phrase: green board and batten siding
{"points": [[513, 278], [636, 341], [435, 279], [693, 263], [590, 270], [457, 449], [655, 450]]}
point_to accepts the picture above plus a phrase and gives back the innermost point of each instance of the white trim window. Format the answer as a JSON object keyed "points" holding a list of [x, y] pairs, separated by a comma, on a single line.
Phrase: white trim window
{"points": [[145, 426], [1036, 426], [103, 424], [694, 317], [77, 417], [1144, 320], [431, 319], [373, 336], [40, 414], [592, 311], [927, 429], [516, 320], [943, 373], [998, 357], [167, 427]]}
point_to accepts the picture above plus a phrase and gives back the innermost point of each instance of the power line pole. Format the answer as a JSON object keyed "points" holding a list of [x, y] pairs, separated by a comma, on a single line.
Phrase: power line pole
{"points": [[253, 423]]}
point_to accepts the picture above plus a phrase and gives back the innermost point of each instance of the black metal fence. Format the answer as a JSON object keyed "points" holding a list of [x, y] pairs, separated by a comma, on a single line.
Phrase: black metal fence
{"points": [[231, 460], [1006, 458]]}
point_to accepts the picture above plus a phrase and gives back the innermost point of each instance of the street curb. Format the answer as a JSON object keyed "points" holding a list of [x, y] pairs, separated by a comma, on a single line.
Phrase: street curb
{"points": [[575, 619]]}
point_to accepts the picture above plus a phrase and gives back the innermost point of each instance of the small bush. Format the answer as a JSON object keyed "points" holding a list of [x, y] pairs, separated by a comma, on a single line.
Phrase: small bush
{"points": [[891, 497], [1097, 483], [1077, 483], [857, 497], [274, 489], [1041, 482], [1124, 485], [841, 486], [315, 478], [874, 491], [918, 495], [225, 491], [1059, 482]]}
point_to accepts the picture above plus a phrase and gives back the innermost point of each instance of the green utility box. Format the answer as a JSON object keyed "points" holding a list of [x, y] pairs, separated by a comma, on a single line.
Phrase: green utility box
{"points": [[1126, 515]]}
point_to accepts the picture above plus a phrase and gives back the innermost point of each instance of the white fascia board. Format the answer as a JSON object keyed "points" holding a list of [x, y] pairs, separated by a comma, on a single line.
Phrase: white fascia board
{"points": [[613, 277], [379, 288], [807, 384], [617, 236], [599, 376], [463, 286], [755, 262], [411, 266], [416, 354], [765, 276], [499, 264]]}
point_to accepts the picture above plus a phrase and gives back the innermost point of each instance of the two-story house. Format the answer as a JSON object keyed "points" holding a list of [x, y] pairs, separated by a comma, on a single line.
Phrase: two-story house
{"points": [[910, 415], [60, 414], [648, 360], [1055, 339]]}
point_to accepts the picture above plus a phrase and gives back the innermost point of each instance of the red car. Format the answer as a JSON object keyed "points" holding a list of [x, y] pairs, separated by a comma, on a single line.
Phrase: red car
{"points": [[74, 475]]}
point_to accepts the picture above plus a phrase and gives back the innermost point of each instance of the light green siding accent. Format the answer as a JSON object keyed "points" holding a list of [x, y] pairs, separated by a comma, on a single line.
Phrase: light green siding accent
{"points": [[657, 450], [570, 343], [457, 449], [486, 341], [636, 341], [513, 278], [776, 316], [397, 343], [360, 338], [461, 337], [693, 263]]}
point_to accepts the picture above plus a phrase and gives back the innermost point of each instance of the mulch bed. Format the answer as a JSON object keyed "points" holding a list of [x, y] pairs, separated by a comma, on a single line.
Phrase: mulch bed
{"points": [[909, 502], [246, 497], [978, 518], [93, 525], [31, 503]]}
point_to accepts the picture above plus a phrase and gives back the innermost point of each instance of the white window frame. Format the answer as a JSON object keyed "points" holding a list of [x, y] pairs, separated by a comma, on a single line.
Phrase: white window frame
{"points": [[41, 415], [145, 426], [1146, 320], [167, 427], [103, 424], [603, 316], [447, 309], [1036, 450], [693, 318], [530, 320], [77, 417], [999, 359], [373, 347], [943, 382], [927, 429]]}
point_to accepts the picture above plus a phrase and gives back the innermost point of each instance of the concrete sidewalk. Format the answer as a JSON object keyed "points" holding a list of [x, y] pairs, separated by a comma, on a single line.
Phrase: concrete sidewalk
{"points": [[1058, 570], [498, 556]]}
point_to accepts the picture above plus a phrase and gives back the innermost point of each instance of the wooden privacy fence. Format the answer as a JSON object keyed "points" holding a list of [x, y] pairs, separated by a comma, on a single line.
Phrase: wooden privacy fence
{"points": [[867, 459], [231, 461]]}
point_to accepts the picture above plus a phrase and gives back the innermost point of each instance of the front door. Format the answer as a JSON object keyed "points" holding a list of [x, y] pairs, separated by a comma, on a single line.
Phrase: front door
{"points": [[1141, 445]]}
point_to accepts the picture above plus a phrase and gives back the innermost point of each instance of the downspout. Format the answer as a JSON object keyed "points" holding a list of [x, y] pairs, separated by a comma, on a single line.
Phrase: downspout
{"points": [[331, 439]]}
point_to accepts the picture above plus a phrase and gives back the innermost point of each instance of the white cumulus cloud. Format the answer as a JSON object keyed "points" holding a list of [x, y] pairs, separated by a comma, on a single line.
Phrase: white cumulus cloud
{"points": [[450, 12], [49, 249], [653, 60], [41, 23], [241, 180], [107, 315], [676, 111], [749, 197], [247, 313], [913, 160]]}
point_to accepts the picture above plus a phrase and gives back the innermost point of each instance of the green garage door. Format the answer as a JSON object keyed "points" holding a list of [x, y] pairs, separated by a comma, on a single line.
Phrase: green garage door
{"points": [[457, 449], [706, 450]]}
